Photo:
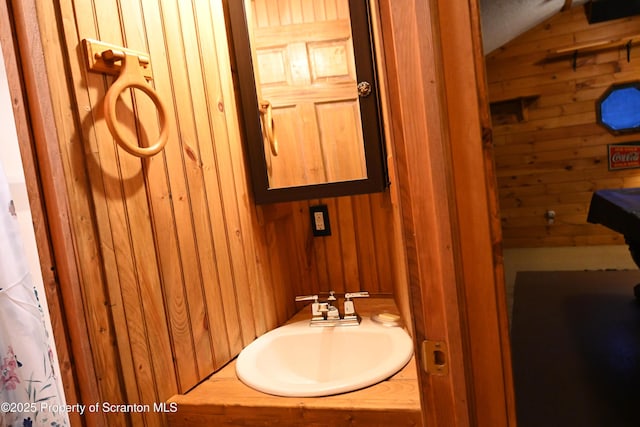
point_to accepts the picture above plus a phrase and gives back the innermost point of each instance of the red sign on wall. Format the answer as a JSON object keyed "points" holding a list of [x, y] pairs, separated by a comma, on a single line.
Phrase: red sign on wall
{"points": [[624, 156]]}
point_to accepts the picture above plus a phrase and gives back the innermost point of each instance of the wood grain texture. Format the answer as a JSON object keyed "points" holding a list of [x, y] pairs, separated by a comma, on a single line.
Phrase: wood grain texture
{"points": [[177, 269], [359, 254], [170, 242], [41, 194], [447, 198], [304, 66], [557, 158], [262, 256], [417, 133], [223, 400]]}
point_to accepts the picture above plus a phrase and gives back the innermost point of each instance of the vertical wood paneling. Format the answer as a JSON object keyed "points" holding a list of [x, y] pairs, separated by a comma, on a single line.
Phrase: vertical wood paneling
{"points": [[119, 182], [186, 182], [206, 100], [365, 246], [179, 269], [177, 233], [107, 364], [557, 157], [242, 217], [348, 252], [360, 254], [175, 251], [28, 125]]}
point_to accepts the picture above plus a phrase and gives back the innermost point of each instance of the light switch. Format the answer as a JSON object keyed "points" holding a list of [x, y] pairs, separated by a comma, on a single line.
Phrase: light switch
{"points": [[320, 225], [319, 221]]}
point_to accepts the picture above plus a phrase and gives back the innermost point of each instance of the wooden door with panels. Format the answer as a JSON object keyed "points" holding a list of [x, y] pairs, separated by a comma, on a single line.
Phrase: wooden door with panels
{"points": [[305, 72]]}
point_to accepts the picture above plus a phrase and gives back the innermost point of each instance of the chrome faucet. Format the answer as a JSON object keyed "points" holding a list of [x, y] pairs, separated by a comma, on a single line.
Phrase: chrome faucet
{"points": [[325, 313]]}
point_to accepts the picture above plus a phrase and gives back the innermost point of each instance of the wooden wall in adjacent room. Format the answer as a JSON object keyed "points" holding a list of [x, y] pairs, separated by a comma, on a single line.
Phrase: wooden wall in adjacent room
{"points": [[556, 157], [178, 270]]}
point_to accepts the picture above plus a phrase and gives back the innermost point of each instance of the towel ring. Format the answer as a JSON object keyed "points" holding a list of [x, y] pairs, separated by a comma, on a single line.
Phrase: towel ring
{"points": [[266, 117], [131, 77]]}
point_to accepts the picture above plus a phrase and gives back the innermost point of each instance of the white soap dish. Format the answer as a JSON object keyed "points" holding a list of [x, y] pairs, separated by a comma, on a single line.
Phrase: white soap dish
{"points": [[387, 319]]}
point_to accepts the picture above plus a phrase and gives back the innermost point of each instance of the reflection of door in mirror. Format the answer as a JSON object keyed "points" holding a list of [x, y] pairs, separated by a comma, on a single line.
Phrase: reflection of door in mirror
{"points": [[306, 85]]}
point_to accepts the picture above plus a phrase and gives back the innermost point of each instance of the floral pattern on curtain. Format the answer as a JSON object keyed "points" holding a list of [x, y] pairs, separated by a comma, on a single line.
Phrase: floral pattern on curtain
{"points": [[29, 391]]}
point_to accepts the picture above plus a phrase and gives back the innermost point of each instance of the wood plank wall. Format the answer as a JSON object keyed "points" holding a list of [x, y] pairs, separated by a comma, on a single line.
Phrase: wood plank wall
{"points": [[178, 269], [26, 132], [557, 156], [355, 257]]}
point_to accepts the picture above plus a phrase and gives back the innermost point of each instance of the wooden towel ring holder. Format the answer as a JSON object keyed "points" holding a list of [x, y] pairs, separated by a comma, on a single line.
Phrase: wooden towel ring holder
{"points": [[266, 118], [131, 76]]}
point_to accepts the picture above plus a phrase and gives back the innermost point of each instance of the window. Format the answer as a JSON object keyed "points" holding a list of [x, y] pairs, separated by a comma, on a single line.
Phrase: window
{"points": [[618, 109]]}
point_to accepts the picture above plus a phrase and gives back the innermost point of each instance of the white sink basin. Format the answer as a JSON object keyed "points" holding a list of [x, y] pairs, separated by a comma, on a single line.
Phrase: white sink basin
{"points": [[304, 361]]}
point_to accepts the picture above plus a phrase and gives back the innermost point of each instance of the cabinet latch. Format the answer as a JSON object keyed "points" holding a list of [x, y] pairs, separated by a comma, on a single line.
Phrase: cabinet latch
{"points": [[434, 357]]}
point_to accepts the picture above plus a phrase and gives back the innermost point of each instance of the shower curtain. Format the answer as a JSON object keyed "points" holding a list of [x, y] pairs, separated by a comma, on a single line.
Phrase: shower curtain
{"points": [[29, 394]]}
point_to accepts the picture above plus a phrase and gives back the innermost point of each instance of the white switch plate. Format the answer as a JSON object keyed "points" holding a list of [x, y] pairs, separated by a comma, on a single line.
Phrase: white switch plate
{"points": [[320, 220]]}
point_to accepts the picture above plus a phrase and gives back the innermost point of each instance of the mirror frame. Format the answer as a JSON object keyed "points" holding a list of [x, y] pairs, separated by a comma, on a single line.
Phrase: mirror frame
{"points": [[601, 100], [370, 112]]}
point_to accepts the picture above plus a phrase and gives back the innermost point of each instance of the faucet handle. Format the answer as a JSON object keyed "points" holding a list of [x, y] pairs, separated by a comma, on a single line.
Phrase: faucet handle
{"points": [[349, 308], [307, 298], [361, 294], [317, 308]]}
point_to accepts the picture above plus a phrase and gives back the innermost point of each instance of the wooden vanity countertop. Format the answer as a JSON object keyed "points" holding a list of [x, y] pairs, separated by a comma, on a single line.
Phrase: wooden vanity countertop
{"points": [[223, 400]]}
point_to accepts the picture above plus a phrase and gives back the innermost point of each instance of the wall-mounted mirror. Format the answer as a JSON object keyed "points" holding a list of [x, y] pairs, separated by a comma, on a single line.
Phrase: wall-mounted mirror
{"points": [[618, 109], [309, 97]]}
